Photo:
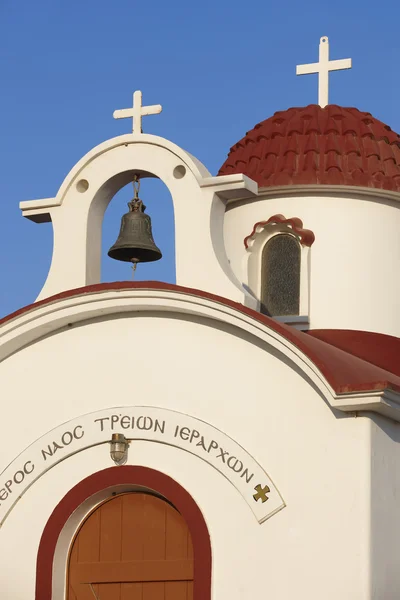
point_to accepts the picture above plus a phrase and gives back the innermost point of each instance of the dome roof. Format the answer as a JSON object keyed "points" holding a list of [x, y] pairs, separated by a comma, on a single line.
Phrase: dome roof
{"points": [[314, 145]]}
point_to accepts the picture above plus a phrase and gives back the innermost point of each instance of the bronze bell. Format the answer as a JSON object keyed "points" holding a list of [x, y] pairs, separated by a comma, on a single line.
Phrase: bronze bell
{"points": [[135, 241]]}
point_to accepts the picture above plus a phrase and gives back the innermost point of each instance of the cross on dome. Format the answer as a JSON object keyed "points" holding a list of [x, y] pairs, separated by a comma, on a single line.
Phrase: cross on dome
{"points": [[137, 112], [322, 68]]}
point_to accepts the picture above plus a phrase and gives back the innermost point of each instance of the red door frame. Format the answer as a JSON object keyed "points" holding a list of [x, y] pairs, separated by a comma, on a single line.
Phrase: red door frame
{"points": [[127, 475]]}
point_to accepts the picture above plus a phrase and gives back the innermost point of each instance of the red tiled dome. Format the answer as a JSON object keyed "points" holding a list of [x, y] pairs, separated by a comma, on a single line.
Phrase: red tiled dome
{"points": [[331, 145]]}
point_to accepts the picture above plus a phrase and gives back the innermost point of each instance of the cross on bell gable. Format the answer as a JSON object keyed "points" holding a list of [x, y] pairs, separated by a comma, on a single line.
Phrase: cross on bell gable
{"points": [[322, 68], [137, 112]]}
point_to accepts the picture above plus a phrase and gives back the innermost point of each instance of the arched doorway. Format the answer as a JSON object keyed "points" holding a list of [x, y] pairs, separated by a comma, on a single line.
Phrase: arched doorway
{"points": [[136, 546], [53, 556]]}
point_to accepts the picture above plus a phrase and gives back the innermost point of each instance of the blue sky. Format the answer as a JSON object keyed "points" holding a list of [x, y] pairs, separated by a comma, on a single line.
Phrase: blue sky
{"points": [[217, 67]]}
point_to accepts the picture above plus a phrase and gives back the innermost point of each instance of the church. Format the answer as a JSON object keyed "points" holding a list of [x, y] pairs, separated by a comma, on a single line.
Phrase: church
{"points": [[236, 434]]}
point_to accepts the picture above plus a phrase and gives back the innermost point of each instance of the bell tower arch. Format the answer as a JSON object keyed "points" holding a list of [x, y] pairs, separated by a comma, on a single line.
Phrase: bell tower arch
{"points": [[199, 200]]}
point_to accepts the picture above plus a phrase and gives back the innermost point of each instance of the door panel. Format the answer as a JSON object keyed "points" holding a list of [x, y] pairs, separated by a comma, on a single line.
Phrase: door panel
{"points": [[135, 546]]}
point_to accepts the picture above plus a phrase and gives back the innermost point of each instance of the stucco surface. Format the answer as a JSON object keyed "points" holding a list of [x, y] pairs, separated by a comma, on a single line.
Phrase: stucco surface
{"points": [[351, 264], [247, 391]]}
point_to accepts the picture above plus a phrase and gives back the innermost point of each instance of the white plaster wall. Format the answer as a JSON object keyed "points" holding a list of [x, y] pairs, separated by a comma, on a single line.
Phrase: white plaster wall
{"points": [[317, 547], [353, 261], [385, 503]]}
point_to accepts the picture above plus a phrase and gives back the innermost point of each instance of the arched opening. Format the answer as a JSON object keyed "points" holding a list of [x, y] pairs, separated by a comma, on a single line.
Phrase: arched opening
{"points": [[164, 526], [134, 545], [159, 206], [280, 276]]}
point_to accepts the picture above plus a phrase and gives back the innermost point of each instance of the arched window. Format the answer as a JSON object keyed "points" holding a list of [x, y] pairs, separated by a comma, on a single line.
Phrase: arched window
{"points": [[280, 277]]}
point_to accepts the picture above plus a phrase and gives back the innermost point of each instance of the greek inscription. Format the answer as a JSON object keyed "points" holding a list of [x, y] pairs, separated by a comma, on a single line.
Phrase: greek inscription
{"points": [[75, 432], [28, 472], [232, 462], [125, 422], [114, 419], [17, 479], [153, 429], [145, 423], [247, 475], [160, 426], [201, 443], [67, 437], [101, 422], [213, 445], [236, 463], [46, 453], [185, 433], [195, 435], [222, 454], [51, 450]]}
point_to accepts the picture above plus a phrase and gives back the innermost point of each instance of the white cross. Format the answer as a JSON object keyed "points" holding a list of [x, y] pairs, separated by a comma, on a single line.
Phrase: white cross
{"points": [[322, 68], [137, 112]]}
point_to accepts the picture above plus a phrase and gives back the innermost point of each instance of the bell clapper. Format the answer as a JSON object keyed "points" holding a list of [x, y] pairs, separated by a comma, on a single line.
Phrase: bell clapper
{"points": [[135, 207], [134, 265]]}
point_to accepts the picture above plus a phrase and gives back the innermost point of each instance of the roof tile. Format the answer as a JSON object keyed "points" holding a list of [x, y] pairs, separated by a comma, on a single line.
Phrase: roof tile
{"points": [[331, 146]]}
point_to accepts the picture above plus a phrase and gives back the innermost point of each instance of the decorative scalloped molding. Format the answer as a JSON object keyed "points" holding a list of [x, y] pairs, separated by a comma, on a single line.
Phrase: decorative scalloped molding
{"points": [[306, 236]]}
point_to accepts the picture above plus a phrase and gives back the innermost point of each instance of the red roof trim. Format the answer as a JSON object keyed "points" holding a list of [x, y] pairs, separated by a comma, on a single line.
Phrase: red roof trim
{"points": [[344, 372], [376, 348], [307, 237]]}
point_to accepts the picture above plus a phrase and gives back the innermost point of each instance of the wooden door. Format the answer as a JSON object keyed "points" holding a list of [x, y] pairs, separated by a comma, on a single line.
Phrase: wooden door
{"points": [[135, 546]]}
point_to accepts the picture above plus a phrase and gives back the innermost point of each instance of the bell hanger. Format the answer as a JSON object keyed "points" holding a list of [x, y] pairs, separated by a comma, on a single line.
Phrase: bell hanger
{"points": [[135, 241]]}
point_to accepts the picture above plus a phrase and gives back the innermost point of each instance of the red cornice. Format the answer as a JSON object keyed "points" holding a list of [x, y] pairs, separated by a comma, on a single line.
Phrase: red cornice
{"points": [[306, 236], [344, 372], [381, 350]]}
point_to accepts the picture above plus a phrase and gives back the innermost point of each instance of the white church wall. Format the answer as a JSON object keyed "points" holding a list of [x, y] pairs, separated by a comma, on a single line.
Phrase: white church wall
{"points": [[385, 499], [242, 387], [354, 257]]}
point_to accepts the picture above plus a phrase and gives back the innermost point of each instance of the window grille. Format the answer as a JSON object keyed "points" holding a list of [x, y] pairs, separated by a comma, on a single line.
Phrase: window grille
{"points": [[280, 278]]}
